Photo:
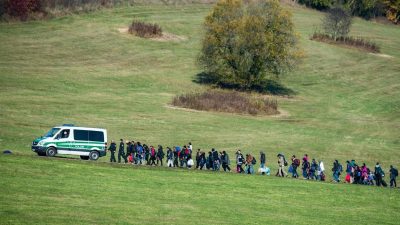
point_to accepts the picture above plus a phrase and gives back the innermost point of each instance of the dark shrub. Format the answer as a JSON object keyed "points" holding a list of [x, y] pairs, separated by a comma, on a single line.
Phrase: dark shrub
{"points": [[357, 42], [227, 101], [145, 30], [22, 8]]}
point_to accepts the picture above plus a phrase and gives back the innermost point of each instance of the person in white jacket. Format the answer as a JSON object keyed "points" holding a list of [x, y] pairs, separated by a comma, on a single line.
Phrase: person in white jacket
{"points": [[320, 172]]}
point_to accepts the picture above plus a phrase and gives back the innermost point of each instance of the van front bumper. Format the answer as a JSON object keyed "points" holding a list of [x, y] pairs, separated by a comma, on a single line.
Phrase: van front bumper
{"points": [[38, 149]]}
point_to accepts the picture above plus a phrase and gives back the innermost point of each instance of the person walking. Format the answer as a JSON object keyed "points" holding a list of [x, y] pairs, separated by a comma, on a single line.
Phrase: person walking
{"points": [[112, 149], [393, 174], [202, 160], [170, 157], [262, 159], [321, 169], [160, 155], [239, 161], [153, 155], [250, 162], [121, 152], [216, 161], [281, 164], [305, 167], [225, 161], [177, 149], [198, 158], [337, 170], [139, 155], [313, 169], [379, 174], [295, 165]]}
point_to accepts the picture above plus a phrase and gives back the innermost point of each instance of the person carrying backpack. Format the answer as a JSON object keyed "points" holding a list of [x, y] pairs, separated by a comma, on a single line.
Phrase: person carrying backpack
{"points": [[337, 170], [313, 169], [139, 155], [305, 167], [239, 162], [250, 162], [295, 165], [215, 157], [281, 164], [393, 174], [379, 174]]}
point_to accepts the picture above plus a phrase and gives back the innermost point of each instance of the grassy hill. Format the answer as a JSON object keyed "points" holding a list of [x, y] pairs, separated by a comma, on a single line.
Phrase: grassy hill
{"points": [[80, 69]]}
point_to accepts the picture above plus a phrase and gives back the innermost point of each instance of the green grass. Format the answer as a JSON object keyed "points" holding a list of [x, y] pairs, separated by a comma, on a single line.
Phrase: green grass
{"points": [[79, 69], [52, 191]]}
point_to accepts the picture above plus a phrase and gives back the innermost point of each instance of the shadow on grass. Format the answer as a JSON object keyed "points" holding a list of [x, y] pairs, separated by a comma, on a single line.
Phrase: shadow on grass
{"points": [[272, 87]]}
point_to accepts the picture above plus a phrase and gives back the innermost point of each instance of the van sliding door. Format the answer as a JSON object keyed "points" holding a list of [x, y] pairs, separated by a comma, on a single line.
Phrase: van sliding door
{"points": [[80, 142]]}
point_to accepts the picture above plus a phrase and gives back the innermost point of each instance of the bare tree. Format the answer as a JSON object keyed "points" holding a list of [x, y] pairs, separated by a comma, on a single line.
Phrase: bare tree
{"points": [[337, 23]]}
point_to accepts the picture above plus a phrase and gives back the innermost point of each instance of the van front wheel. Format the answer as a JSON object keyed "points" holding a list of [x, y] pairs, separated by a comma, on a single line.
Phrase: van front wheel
{"points": [[51, 151], [94, 155]]}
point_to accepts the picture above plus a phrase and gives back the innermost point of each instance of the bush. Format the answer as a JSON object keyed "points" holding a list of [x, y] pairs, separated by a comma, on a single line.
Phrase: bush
{"points": [[247, 43], [337, 22], [357, 42], [22, 8], [227, 101], [145, 30], [317, 4], [392, 10]]}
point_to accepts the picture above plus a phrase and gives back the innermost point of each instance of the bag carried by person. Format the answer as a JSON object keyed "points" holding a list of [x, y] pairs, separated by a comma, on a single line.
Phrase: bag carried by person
{"points": [[347, 179], [322, 176], [254, 161], [395, 172], [290, 170], [384, 183]]}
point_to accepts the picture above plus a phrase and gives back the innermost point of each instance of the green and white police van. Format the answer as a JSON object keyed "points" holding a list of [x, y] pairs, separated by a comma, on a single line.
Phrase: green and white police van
{"points": [[88, 143]]}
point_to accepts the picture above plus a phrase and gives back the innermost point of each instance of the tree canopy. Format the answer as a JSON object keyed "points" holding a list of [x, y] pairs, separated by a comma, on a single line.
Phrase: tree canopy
{"points": [[245, 44]]}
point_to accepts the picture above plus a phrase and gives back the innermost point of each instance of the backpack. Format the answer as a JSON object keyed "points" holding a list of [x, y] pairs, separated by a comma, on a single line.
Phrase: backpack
{"points": [[254, 161], [340, 168], [284, 161], [395, 172], [296, 162]]}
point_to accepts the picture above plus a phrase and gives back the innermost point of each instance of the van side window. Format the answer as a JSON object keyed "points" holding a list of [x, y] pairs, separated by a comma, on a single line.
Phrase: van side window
{"points": [[96, 136], [64, 133], [81, 135]]}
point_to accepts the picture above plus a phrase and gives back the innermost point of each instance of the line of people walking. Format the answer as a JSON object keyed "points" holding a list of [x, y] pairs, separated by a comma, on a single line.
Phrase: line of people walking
{"points": [[142, 154]]}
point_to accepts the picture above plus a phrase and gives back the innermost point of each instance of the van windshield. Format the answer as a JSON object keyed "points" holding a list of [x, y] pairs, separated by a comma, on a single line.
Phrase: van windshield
{"points": [[52, 132]]}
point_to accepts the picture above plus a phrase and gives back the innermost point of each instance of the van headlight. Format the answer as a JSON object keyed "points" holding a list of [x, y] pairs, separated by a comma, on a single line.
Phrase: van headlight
{"points": [[40, 142]]}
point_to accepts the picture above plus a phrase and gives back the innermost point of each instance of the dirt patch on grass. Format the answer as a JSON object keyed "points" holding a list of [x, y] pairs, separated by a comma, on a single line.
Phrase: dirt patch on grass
{"points": [[165, 37], [227, 101], [168, 37], [382, 55], [123, 30]]}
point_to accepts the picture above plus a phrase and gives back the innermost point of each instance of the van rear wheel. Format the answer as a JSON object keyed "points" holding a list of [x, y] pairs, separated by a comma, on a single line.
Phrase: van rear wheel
{"points": [[83, 157], [51, 151], [94, 155]]}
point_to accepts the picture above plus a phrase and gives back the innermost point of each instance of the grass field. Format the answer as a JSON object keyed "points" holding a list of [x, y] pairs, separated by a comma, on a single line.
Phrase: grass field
{"points": [[51, 191], [80, 69]]}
